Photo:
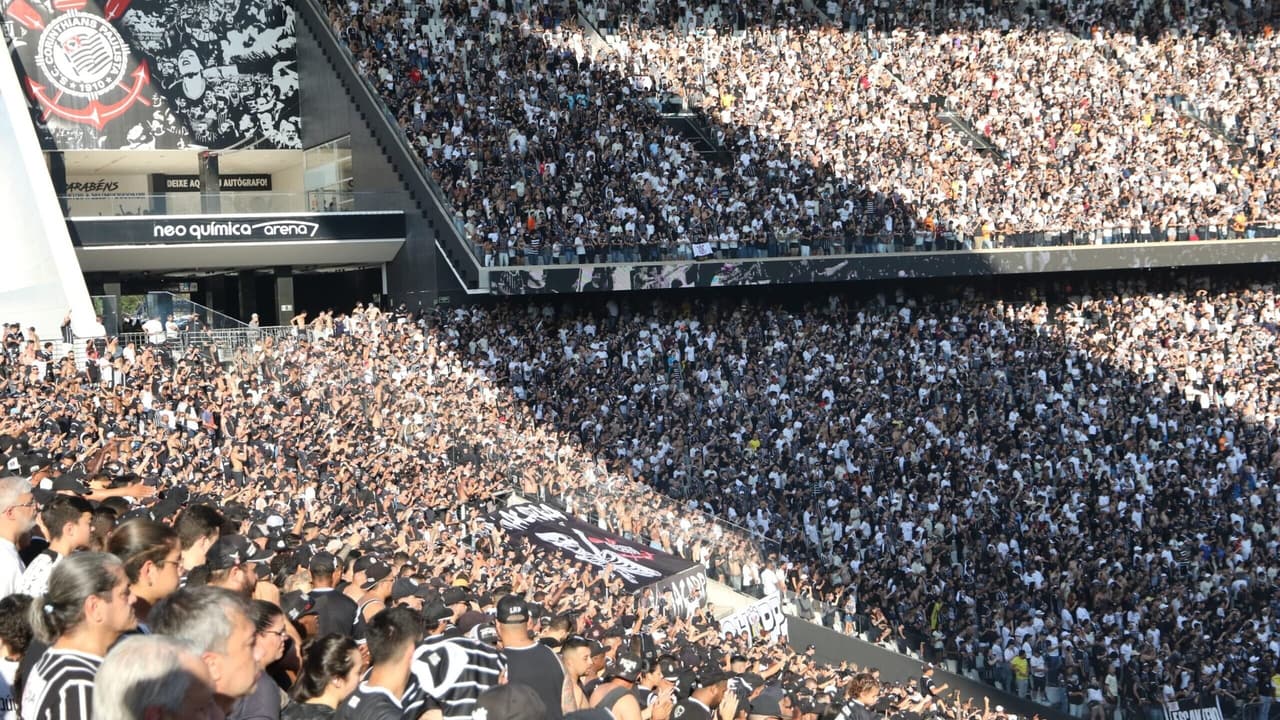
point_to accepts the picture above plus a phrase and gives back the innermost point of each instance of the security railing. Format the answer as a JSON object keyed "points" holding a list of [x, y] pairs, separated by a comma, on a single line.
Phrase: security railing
{"points": [[864, 243], [226, 343]]}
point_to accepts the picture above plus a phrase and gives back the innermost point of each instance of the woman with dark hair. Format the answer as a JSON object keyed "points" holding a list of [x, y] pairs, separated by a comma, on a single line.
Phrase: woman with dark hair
{"points": [[88, 606], [152, 560], [271, 642], [15, 636], [330, 673]]}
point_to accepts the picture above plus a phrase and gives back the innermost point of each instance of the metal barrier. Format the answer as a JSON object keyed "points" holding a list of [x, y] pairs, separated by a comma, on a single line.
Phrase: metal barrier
{"points": [[795, 246], [226, 343]]}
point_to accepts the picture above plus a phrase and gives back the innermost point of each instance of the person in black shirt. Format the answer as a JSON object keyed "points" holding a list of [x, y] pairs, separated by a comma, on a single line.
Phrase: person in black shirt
{"points": [[392, 636], [331, 671], [530, 662], [863, 692], [926, 686], [335, 611], [1075, 694], [711, 697]]}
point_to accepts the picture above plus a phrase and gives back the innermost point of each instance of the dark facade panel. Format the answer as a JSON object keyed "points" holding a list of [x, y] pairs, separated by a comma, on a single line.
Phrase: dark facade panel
{"points": [[734, 273]]}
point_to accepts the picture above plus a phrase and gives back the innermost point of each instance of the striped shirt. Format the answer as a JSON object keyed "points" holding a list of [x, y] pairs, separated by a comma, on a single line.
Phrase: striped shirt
{"points": [[452, 672], [60, 686]]}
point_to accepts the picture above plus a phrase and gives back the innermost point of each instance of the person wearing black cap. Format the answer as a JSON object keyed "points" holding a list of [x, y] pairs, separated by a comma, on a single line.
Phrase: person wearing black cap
{"points": [[710, 698], [926, 686], [772, 704], [393, 636], [451, 670], [455, 598], [614, 694], [528, 661], [336, 612], [231, 565], [376, 591]]}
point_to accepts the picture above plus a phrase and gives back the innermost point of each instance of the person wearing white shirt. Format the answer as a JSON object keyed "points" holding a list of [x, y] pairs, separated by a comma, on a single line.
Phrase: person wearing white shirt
{"points": [[17, 516], [69, 520]]}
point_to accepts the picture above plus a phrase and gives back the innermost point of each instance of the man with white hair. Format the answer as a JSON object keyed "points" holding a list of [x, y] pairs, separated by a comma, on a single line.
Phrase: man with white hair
{"points": [[215, 623], [151, 676], [17, 516]]}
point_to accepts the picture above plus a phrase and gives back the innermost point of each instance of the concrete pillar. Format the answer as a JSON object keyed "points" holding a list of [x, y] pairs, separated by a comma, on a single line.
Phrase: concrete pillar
{"points": [[248, 293], [210, 202], [284, 295]]}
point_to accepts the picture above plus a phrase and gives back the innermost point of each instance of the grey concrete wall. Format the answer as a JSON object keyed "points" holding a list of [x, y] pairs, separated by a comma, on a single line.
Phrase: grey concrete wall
{"points": [[834, 647], [330, 111]]}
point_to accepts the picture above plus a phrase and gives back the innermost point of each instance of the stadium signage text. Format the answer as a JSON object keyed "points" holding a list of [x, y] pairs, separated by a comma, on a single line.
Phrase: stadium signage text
{"points": [[92, 231], [220, 230], [1175, 711], [228, 183], [762, 619]]}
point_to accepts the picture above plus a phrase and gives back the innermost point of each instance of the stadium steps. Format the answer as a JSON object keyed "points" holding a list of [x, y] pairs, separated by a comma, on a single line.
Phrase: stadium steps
{"points": [[431, 203], [968, 133], [695, 128], [1196, 115], [1182, 104]]}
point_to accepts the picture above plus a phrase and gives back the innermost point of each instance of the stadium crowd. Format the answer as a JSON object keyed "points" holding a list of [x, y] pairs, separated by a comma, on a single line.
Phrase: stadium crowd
{"points": [[1074, 501], [1087, 489], [548, 142], [302, 534]]}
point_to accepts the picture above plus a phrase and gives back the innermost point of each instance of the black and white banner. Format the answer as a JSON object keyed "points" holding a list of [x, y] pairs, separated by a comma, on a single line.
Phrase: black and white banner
{"points": [[639, 565], [157, 74], [761, 619], [1192, 710], [682, 595]]}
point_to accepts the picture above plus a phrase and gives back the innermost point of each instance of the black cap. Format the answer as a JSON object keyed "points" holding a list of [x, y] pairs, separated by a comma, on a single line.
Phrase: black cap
{"points": [[435, 611], [403, 588], [70, 482], [627, 668], [487, 634], [750, 681], [512, 610], [768, 703], [669, 668], [686, 682], [297, 604], [229, 551], [375, 573], [711, 675], [454, 596]]}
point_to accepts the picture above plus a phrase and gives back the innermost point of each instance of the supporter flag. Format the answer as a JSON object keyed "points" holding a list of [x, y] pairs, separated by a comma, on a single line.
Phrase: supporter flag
{"points": [[638, 565]]}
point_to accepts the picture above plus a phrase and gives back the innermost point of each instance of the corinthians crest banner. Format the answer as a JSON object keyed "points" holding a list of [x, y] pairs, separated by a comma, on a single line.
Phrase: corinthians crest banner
{"points": [[638, 565], [157, 74]]}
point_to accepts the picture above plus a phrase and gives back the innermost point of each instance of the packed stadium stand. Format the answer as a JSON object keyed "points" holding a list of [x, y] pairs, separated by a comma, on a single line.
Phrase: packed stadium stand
{"points": [[983, 126], [1041, 497]]}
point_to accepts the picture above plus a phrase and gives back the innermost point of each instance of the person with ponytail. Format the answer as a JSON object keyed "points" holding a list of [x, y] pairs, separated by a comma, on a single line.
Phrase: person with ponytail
{"points": [[87, 608], [152, 558], [331, 669]]}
